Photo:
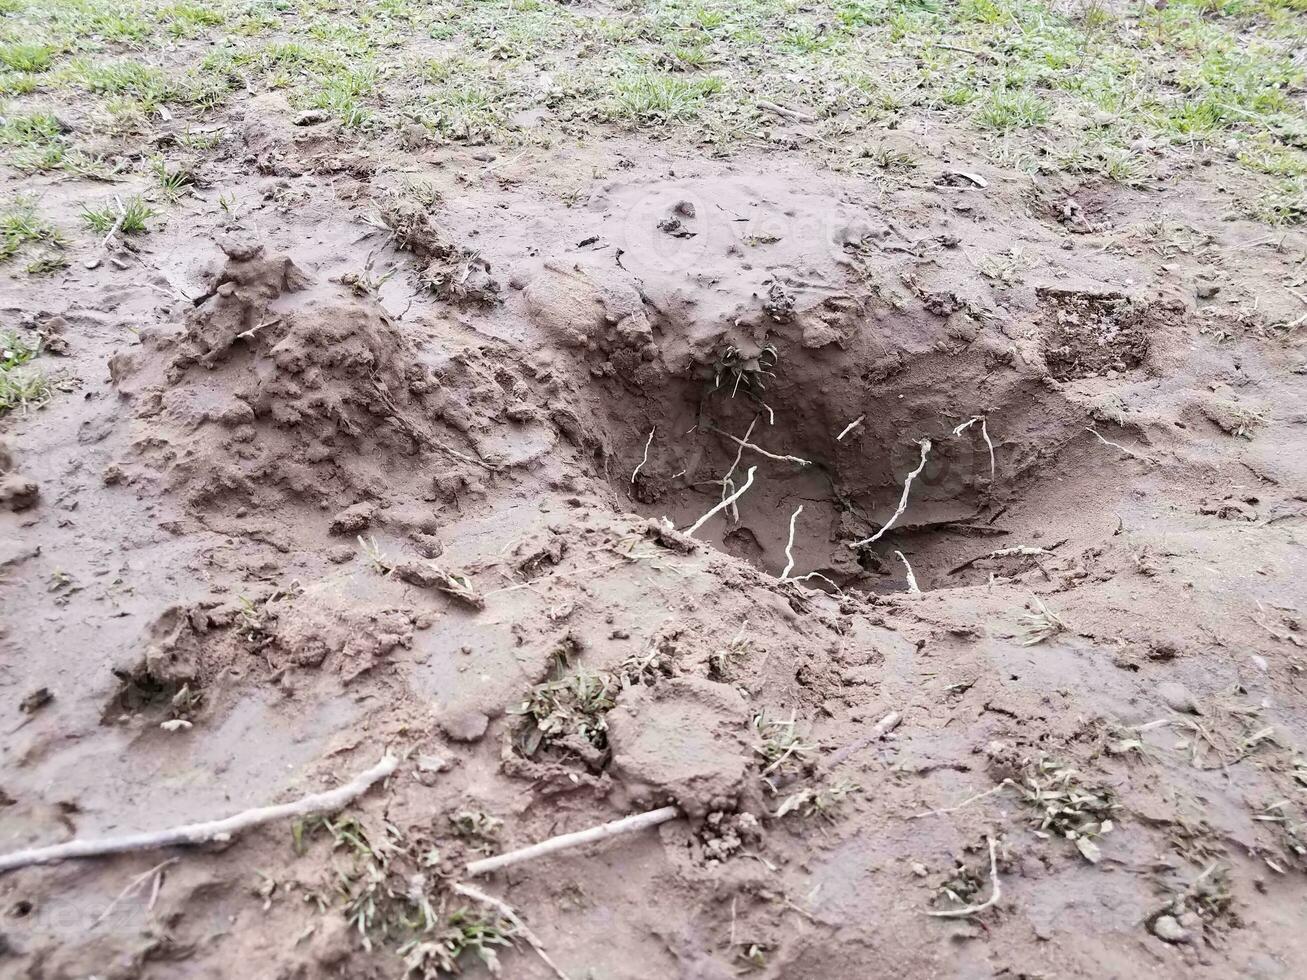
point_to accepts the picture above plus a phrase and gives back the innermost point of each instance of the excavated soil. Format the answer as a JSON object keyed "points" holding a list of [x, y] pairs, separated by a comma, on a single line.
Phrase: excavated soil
{"points": [[354, 472]]}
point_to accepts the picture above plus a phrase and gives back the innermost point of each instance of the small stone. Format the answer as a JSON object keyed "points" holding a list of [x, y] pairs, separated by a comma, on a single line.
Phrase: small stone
{"points": [[340, 554], [1177, 698], [1207, 290], [353, 519], [464, 726], [311, 117], [919, 869], [1168, 930]]}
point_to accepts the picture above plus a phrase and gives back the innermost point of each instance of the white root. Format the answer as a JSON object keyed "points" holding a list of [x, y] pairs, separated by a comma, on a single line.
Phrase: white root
{"points": [[726, 502], [1115, 445], [850, 427], [789, 547], [780, 458], [984, 434], [156, 873], [903, 501], [996, 890], [506, 910], [202, 833], [967, 802], [564, 842], [912, 579], [728, 485], [648, 442]]}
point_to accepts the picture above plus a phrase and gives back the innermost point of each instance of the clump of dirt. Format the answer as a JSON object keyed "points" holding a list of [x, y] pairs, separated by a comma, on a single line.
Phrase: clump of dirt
{"points": [[1088, 335]]}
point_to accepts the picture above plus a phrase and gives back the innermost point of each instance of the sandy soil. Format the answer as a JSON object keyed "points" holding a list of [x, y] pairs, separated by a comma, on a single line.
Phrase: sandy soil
{"points": [[358, 468]]}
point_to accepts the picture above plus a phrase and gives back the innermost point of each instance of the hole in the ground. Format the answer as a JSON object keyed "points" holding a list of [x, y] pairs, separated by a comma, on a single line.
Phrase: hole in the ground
{"points": [[838, 439]]}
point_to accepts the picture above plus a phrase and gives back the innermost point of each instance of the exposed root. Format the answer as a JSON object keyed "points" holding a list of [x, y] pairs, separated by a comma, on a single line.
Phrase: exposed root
{"points": [[745, 444], [564, 842], [850, 427], [1025, 550], [996, 890], [1116, 445], [728, 501], [903, 501], [965, 803], [912, 579], [648, 442], [203, 833], [984, 434], [789, 546]]}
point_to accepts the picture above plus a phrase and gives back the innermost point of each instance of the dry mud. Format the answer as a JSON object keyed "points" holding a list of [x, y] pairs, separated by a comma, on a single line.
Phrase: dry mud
{"points": [[357, 471]]}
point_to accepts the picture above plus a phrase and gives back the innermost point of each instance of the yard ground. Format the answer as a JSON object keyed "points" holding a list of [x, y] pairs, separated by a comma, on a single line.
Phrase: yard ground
{"points": [[874, 429]]}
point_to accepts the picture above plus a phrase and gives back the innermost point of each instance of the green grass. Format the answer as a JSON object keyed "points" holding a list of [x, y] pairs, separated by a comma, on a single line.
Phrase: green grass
{"points": [[654, 98], [20, 225], [27, 57], [21, 386], [128, 217]]}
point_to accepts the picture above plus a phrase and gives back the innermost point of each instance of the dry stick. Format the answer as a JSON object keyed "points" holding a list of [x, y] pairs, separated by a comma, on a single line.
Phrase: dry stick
{"points": [[912, 579], [883, 728], [201, 833], [995, 891], [1022, 549], [849, 428], [748, 482], [564, 842], [789, 547], [156, 872], [903, 501], [507, 912], [984, 433], [648, 442], [967, 802]]}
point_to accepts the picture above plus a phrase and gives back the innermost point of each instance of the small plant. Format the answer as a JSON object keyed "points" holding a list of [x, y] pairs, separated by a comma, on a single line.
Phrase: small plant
{"points": [[21, 387], [478, 828], [567, 707], [734, 368], [173, 181], [1066, 806], [817, 801], [724, 662], [479, 933], [20, 225], [26, 56], [1040, 625], [783, 752], [653, 98], [1011, 110]]}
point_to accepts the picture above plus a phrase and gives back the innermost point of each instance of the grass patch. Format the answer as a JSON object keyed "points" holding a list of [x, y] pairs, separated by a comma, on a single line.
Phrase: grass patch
{"points": [[20, 225], [21, 386], [27, 57], [1011, 110], [654, 98], [127, 217]]}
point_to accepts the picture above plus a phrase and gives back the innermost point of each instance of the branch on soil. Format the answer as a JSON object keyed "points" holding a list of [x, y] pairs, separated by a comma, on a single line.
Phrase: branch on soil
{"points": [[203, 833], [506, 910], [564, 842]]}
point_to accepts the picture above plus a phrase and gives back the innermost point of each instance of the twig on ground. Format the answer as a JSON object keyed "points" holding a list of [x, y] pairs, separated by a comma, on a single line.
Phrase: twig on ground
{"points": [[789, 547], [563, 842], [903, 501], [648, 442], [967, 802], [202, 833], [912, 579], [156, 873], [984, 434], [883, 728], [850, 427], [748, 482], [506, 910], [996, 890], [785, 113], [1001, 553]]}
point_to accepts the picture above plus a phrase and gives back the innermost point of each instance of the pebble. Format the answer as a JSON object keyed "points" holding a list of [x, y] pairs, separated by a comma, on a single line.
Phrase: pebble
{"points": [[1168, 930], [1177, 698]]}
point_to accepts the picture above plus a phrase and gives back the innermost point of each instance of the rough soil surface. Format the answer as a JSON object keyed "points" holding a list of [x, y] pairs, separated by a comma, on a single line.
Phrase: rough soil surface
{"points": [[358, 470]]}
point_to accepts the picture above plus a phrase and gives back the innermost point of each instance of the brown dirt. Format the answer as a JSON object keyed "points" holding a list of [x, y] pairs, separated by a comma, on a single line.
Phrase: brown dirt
{"points": [[244, 509]]}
